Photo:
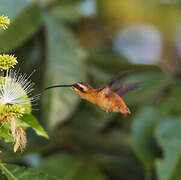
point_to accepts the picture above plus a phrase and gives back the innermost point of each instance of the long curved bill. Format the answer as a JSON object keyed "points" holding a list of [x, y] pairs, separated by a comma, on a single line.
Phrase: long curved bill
{"points": [[50, 87]]}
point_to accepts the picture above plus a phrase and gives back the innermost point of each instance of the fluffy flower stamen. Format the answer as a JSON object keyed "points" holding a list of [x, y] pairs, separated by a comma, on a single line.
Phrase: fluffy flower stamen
{"points": [[4, 21], [15, 89], [7, 61]]}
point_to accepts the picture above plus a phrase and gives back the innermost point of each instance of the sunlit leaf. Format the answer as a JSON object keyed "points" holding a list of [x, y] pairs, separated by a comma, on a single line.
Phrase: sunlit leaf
{"points": [[4, 132], [29, 120]]}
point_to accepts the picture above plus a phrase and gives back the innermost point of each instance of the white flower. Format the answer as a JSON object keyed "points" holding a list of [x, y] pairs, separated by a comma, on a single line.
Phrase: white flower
{"points": [[15, 89], [15, 100]]}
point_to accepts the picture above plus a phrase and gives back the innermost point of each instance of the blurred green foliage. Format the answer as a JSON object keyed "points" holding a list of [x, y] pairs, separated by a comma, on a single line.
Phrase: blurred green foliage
{"points": [[65, 46]]}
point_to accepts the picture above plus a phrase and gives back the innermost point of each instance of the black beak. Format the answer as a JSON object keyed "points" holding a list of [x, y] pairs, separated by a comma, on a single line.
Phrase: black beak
{"points": [[58, 86]]}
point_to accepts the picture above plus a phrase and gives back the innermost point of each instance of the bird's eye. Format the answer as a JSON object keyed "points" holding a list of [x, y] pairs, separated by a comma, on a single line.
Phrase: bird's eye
{"points": [[79, 88]]}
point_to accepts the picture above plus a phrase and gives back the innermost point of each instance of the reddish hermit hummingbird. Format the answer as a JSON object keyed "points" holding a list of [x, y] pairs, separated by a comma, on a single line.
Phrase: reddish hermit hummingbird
{"points": [[107, 98]]}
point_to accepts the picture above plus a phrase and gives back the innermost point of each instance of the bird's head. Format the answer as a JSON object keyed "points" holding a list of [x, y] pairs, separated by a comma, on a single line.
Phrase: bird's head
{"points": [[79, 88]]}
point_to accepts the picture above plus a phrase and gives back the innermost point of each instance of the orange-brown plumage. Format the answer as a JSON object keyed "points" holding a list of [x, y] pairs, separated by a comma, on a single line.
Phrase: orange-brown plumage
{"points": [[109, 103], [107, 98]]}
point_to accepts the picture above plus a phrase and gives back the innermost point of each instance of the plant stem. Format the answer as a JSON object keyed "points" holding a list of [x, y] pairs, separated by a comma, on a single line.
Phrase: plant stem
{"points": [[7, 171]]}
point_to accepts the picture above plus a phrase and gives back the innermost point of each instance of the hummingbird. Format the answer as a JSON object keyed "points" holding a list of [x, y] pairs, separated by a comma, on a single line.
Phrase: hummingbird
{"points": [[108, 98]]}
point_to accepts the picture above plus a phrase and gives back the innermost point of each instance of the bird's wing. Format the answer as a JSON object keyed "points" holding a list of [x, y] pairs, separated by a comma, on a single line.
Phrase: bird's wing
{"points": [[126, 88], [119, 77], [117, 85]]}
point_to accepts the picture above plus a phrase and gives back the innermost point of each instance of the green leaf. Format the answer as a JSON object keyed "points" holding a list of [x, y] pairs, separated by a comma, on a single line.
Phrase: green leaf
{"points": [[70, 167], [170, 103], [4, 132], [104, 60], [142, 135], [66, 13], [6, 172], [14, 172], [64, 66], [107, 61], [29, 120], [23, 26], [168, 135], [64, 2]]}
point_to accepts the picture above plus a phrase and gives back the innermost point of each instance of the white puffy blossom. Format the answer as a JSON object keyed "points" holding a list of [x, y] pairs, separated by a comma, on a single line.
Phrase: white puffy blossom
{"points": [[16, 89]]}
